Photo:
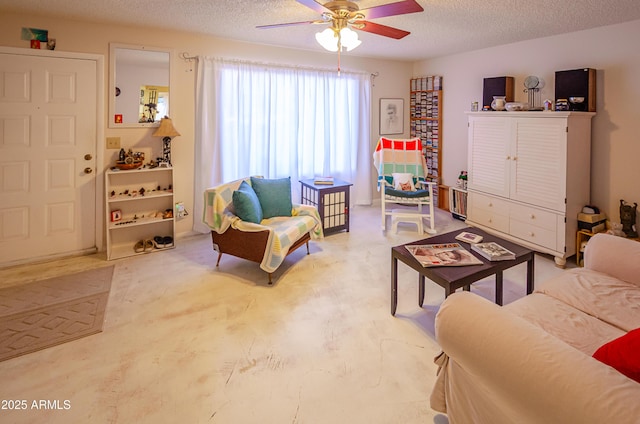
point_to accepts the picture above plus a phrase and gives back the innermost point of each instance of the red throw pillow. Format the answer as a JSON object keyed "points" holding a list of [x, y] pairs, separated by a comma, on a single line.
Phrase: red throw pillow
{"points": [[622, 354]]}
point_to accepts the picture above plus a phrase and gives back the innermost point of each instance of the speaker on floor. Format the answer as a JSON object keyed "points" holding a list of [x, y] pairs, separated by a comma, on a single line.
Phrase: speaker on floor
{"points": [[497, 86], [577, 83]]}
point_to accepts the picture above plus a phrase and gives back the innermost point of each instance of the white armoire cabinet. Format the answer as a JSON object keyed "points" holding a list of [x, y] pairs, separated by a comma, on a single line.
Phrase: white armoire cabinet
{"points": [[529, 177]]}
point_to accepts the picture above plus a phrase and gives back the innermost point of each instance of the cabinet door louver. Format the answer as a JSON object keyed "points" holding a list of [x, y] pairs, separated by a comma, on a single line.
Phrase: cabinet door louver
{"points": [[489, 164], [539, 163]]}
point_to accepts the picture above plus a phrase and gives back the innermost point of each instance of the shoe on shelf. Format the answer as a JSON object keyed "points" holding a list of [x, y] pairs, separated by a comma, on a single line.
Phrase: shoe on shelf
{"points": [[168, 241], [158, 242], [148, 245], [139, 247]]}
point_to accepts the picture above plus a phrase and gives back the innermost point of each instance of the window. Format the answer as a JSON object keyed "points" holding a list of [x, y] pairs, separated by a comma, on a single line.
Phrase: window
{"points": [[276, 121]]}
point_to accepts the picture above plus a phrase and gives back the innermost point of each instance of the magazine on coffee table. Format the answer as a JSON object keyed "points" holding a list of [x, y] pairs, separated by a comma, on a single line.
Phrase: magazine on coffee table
{"points": [[446, 254], [493, 251], [469, 237]]}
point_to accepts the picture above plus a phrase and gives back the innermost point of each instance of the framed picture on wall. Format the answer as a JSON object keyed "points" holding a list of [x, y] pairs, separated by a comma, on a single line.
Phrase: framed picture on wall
{"points": [[391, 116]]}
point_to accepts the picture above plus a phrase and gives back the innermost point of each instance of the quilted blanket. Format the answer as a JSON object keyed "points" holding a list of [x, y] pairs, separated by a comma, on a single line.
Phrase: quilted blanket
{"points": [[283, 231], [399, 156]]}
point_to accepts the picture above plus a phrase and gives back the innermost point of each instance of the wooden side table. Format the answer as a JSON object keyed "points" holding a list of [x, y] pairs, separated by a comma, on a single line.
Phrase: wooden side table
{"points": [[581, 236], [332, 202]]}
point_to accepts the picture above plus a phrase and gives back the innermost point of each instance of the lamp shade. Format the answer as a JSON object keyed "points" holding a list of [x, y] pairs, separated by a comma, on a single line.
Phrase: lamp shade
{"points": [[166, 129], [349, 39], [329, 39]]}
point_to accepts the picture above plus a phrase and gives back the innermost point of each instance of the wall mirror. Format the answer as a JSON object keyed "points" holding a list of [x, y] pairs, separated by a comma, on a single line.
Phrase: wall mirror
{"points": [[138, 85]]}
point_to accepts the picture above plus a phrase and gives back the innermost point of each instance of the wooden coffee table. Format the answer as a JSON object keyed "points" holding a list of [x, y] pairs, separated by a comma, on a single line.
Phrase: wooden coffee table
{"points": [[452, 278]]}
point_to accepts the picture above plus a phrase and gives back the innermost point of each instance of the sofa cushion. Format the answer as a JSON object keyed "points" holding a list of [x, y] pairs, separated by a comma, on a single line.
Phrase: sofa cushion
{"points": [[602, 296], [576, 328], [247, 204], [622, 354], [616, 256], [274, 196]]}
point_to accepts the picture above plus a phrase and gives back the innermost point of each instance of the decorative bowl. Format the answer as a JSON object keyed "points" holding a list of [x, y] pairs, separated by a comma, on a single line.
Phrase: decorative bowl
{"points": [[575, 99], [516, 106], [126, 166]]}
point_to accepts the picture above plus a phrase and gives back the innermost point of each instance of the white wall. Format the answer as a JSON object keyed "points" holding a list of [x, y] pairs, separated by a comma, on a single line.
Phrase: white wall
{"points": [[611, 50], [74, 36]]}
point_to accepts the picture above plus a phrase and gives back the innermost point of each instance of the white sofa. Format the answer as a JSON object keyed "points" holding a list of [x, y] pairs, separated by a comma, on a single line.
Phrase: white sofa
{"points": [[531, 361]]}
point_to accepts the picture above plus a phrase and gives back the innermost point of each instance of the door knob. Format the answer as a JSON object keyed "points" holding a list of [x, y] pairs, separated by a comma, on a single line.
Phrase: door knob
{"points": [[88, 157], [88, 170]]}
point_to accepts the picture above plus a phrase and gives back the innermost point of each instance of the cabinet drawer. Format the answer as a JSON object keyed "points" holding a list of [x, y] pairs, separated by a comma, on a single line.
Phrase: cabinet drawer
{"points": [[533, 216], [490, 219], [533, 234], [488, 203]]}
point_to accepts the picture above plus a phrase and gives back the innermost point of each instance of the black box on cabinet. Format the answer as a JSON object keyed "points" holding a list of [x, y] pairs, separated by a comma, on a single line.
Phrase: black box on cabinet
{"points": [[577, 83], [497, 86]]}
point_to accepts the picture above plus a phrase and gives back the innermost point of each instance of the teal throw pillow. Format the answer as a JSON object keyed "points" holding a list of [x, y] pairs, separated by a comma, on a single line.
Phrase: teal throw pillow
{"points": [[274, 196], [246, 203]]}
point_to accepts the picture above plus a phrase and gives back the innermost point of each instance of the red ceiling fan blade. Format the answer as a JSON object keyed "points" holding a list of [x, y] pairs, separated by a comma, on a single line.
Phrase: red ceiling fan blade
{"points": [[391, 9], [383, 30], [314, 5], [290, 24]]}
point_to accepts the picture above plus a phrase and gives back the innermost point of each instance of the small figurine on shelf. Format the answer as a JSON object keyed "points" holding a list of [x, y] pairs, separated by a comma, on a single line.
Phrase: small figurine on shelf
{"points": [[616, 229], [129, 160], [462, 180]]}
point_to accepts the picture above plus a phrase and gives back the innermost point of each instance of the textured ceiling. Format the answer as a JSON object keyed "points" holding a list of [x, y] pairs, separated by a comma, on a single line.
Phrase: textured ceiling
{"points": [[445, 27]]}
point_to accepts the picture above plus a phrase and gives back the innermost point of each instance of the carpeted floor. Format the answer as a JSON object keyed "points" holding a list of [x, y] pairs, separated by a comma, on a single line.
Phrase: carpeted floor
{"points": [[186, 341], [46, 313]]}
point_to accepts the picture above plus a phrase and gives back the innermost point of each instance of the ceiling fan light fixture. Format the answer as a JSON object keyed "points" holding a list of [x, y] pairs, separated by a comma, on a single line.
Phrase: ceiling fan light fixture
{"points": [[349, 39], [330, 38]]}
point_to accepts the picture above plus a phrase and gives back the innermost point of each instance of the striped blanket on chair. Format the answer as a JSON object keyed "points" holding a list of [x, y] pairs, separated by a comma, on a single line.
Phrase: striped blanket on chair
{"points": [[399, 156]]}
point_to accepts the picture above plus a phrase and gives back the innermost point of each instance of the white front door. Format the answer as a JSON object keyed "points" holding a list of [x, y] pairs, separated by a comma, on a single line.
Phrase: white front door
{"points": [[48, 135]]}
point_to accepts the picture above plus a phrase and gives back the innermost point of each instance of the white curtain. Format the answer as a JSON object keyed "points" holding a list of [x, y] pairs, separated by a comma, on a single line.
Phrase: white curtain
{"points": [[277, 121]]}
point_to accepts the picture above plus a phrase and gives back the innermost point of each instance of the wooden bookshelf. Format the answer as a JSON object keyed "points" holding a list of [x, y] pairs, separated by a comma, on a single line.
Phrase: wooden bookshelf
{"points": [[425, 107]]}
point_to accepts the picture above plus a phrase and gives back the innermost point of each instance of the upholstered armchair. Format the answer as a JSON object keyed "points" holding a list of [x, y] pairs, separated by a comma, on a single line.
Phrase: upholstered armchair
{"points": [[254, 218]]}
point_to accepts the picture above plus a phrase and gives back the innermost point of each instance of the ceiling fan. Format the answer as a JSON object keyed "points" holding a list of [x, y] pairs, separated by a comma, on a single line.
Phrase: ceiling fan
{"points": [[342, 14]]}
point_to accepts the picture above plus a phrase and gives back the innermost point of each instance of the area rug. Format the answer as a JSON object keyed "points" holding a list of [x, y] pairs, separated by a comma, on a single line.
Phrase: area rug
{"points": [[46, 313]]}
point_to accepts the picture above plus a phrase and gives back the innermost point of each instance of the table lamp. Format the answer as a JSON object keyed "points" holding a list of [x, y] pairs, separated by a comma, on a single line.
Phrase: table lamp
{"points": [[166, 130]]}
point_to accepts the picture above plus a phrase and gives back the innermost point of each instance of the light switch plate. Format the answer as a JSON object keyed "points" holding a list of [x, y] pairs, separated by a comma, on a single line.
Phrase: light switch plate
{"points": [[113, 142]]}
